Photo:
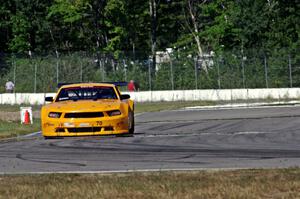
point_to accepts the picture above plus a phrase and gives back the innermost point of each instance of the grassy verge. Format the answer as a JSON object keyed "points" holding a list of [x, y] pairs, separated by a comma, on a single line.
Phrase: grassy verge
{"points": [[14, 128], [279, 183], [16, 108], [159, 106]]}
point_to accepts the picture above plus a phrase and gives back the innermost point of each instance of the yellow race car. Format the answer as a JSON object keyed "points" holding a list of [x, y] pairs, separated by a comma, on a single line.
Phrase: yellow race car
{"points": [[87, 109]]}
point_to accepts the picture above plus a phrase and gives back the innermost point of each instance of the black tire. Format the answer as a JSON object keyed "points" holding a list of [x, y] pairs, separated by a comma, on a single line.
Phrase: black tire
{"points": [[51, 137], [131, 130]]}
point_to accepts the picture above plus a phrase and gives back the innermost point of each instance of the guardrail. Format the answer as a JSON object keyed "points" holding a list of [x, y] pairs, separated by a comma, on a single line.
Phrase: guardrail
{"points": [[176, 95]]}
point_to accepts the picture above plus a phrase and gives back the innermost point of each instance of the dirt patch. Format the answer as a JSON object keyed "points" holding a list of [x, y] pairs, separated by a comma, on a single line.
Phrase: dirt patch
{"points": [[15, 116]]}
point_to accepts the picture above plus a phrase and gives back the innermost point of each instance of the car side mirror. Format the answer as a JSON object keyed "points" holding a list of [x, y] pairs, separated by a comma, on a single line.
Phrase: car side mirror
{"points": [[125, 96], [49, 99]]}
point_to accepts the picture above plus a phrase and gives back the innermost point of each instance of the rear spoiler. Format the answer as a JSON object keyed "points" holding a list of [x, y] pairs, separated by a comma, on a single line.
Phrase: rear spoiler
{"points": [[115, 83]]}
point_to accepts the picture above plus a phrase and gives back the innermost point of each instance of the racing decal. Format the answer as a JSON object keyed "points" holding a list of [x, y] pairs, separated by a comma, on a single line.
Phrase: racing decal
{"points": [[98, 123]]}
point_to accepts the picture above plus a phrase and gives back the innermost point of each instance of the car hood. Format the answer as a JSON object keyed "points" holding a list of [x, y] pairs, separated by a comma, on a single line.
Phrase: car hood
{"points": [[84, 105]]}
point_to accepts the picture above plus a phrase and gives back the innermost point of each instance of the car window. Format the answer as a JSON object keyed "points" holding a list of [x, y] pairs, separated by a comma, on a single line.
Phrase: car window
{"points": [[86, 93]]}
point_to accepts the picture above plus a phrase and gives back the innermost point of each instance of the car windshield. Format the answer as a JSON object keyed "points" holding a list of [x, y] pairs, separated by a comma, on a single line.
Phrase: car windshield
{"points": [[86, 93]]}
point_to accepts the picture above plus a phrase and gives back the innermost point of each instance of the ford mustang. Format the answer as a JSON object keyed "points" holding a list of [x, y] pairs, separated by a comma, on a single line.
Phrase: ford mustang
{"points": [[87, 109]]}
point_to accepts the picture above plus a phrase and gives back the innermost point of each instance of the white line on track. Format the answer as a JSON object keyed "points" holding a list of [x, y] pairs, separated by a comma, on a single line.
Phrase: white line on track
{"points": [[31, 134], [200, 134], [138, 114], [240, 106], [250, 132]]}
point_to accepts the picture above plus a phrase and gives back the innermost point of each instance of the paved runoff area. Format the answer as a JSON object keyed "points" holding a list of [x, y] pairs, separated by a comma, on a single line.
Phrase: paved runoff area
{"points": [[219, 138]]}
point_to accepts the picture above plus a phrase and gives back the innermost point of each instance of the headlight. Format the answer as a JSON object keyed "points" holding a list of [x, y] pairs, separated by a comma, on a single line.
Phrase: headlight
{"points": [[114, 113], [54, 115]]}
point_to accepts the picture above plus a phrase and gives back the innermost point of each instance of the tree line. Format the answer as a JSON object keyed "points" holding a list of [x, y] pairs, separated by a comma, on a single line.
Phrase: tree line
{"points": [[139, 28], [119, 26]]}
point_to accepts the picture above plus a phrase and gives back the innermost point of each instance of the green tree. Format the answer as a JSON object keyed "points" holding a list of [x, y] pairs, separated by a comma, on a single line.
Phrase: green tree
{"points": [[28, 25]]}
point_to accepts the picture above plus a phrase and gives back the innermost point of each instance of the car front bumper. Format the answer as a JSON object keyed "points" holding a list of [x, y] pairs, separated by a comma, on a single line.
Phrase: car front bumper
{"points": [[54, 127]]}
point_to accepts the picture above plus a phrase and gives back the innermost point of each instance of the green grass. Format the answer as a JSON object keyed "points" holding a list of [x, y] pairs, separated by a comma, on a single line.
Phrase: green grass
{"points": [[15, 128], [16, 108], [256, 184], [160, 106]]}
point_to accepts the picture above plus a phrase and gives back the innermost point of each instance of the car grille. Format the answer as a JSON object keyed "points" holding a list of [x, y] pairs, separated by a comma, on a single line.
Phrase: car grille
{"points": [[84, 115], [84, 129]]}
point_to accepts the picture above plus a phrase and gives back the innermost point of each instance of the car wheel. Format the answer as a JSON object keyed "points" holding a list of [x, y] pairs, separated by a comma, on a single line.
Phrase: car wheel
{"points": [[131, 124]]}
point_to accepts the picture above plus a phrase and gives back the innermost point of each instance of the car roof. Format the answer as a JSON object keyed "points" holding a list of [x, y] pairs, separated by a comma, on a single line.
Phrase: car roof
{"points": [[86, 85]]}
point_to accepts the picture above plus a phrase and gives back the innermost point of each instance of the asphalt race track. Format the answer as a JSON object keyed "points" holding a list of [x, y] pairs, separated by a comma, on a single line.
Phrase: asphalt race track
{"points": [[184, 139]]}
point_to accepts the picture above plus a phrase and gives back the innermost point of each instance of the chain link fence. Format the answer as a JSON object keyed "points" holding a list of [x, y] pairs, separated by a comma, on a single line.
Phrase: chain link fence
{"points": [[175, 71]]}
